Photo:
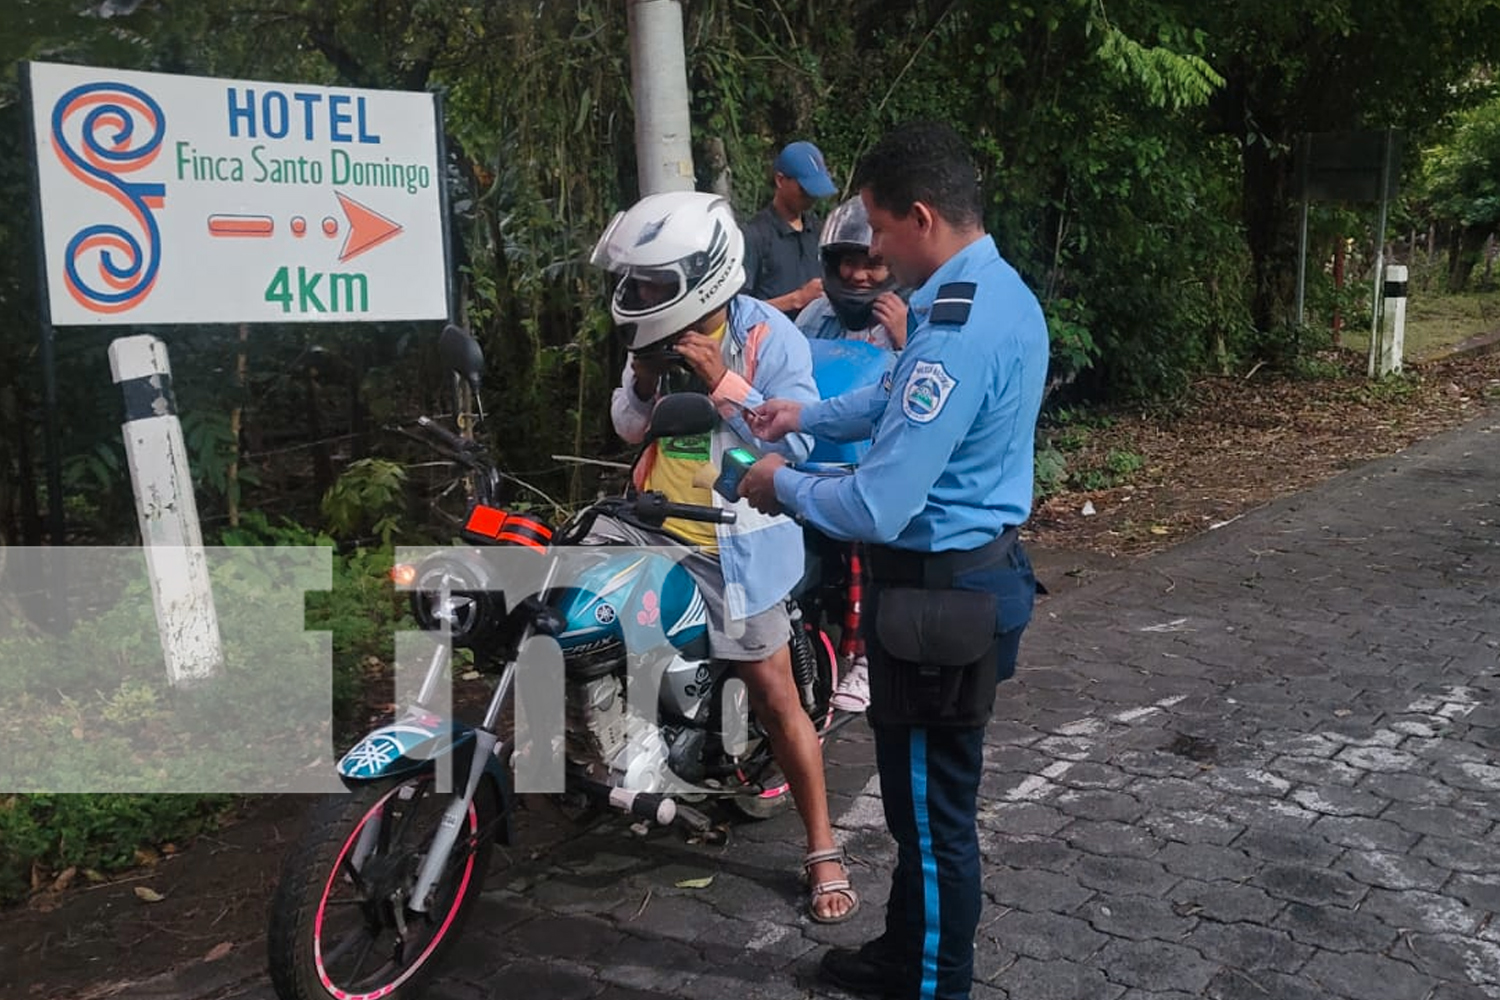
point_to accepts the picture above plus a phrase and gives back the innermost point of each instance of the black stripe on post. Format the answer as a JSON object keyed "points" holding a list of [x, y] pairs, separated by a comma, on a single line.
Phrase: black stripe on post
{"points": [[148, 396], [1395, 289]]}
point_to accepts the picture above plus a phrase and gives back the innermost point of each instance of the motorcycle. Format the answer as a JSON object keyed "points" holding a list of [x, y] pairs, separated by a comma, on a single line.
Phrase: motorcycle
{"points": [[383, 880]]}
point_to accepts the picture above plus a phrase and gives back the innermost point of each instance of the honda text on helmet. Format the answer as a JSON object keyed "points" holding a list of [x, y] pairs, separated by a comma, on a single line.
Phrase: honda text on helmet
{"points": [[846, 234], [680, 256]]}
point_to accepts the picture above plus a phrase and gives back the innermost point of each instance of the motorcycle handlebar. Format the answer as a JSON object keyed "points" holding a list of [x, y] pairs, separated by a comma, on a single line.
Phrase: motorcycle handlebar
{"points": [[443, 434], [461, 450], [655, 507]]}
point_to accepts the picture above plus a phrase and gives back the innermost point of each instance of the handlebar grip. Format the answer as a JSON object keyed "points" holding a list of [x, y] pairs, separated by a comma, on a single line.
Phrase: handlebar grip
{"points": [[444, 435], [653, 506]]}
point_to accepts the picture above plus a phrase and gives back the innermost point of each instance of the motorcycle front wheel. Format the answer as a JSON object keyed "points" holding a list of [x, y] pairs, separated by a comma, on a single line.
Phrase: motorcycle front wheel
{"points": [[342, 927]]}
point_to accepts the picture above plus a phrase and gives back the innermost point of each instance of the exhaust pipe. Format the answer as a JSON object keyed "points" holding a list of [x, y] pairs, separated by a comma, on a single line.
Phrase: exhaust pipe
{"points": [[659, 809]]}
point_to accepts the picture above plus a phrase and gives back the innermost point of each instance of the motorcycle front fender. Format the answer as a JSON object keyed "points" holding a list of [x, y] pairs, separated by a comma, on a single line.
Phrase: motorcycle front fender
{"points": [[413, 745]]}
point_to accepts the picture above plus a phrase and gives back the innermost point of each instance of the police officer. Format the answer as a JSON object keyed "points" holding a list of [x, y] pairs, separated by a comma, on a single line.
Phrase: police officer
{"points": [[940, 494]]}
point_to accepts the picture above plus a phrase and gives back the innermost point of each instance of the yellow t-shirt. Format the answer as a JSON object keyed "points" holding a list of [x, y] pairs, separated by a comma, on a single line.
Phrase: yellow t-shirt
{"points": [[678, 459]]}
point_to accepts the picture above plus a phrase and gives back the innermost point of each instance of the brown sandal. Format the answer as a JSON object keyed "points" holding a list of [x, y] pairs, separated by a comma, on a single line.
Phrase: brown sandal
{"points": [[820, 889]]}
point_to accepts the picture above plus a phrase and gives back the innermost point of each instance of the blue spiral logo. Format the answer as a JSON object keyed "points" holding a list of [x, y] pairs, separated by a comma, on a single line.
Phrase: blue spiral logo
{"points": [[121, 132]]}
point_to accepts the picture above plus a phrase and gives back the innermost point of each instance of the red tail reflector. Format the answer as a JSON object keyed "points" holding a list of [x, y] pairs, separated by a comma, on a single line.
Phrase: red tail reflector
{"points": [[496, 525], [485, 521]]}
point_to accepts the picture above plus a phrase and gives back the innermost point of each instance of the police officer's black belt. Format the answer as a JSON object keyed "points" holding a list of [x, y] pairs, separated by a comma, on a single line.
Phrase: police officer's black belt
{"points": [[936, 569]]}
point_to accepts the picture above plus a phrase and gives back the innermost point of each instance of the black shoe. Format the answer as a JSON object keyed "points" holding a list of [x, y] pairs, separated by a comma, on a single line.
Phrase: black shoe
{"points": [[866, 970]]}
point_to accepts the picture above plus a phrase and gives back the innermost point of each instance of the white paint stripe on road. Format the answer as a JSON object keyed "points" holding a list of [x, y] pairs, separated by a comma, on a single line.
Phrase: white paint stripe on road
{"points": [[1038, 785], [1131, 715], [866, 812], [768, 935]]}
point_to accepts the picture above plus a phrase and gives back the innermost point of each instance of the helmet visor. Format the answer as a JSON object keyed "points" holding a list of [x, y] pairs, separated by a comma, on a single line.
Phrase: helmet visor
{"points": [[643, 289]]}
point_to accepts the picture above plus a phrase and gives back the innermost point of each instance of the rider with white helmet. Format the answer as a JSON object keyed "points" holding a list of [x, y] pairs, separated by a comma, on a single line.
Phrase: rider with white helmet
{"points": [[679, 257]]}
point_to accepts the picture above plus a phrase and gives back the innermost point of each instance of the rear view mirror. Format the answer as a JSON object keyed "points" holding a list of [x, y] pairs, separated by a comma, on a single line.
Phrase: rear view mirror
{"points": [[681, 413], [461, 353]]}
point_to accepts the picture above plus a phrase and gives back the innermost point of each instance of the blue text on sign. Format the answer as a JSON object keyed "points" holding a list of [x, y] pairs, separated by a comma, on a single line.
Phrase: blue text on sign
{"points": [[276, 114]]}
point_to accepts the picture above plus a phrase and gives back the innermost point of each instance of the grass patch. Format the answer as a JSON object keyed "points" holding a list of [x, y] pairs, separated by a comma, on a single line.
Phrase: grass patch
{"points": [[1436, 323]]}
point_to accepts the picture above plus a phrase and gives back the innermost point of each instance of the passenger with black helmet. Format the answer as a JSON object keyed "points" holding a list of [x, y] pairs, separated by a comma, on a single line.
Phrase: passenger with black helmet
{"points": [[680, 260], [861, 302], [861, 299]]}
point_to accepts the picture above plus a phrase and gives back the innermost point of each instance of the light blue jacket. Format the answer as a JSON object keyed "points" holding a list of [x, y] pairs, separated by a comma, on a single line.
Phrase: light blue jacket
{"points": [[767, 357]]}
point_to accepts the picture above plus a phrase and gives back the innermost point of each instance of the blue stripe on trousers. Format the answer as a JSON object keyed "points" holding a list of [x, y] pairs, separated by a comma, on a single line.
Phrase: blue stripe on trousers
{"points": [[931, 900]]}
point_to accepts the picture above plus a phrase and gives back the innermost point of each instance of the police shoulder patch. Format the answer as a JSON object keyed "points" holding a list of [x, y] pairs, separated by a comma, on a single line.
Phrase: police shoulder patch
{"points": [[927, 391], [953, 303]]}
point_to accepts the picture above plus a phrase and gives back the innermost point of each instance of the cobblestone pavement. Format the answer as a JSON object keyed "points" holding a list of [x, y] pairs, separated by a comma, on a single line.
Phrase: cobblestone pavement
{"points": [[1259, 766]]}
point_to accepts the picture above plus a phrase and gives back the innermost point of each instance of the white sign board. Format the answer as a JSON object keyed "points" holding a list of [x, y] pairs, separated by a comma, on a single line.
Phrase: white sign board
{"points": [[178, 199]]}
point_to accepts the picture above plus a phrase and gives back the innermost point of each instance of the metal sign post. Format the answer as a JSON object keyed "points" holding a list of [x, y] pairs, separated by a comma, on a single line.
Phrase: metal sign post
{"points": [[47, 353], [1351, 167], [1378, 300]]}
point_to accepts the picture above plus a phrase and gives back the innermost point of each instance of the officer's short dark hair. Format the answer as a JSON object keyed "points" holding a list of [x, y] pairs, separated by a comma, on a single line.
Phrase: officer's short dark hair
{"points": [[926, 162]]}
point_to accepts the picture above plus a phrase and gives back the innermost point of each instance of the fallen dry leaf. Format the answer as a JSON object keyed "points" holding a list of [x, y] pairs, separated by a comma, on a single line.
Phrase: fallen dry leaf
{"points": [[148, 895], [218, 951]]}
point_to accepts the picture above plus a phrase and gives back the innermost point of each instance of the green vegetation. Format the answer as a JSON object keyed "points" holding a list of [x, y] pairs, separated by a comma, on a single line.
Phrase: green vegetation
{"points": [[92, 709]]}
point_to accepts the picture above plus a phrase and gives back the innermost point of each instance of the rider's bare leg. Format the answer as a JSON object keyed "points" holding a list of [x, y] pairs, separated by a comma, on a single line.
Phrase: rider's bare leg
{"points": [[794, 741]]}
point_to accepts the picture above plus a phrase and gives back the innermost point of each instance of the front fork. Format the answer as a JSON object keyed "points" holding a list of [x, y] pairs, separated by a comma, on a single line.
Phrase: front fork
{"points": [[486, 743]]}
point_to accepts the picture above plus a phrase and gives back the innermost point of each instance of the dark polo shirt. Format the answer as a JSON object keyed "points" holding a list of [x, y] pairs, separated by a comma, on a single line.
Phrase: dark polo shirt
{"points": [[778, 258]]}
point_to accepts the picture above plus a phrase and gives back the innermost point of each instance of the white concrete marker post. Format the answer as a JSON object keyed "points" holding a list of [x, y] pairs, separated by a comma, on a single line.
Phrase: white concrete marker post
{"points": [[1393, 320], [173, 542]]}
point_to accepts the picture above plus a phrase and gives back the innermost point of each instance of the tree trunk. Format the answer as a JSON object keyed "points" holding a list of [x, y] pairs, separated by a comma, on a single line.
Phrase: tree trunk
{"points": [[1464, 255], [1269, 236]]}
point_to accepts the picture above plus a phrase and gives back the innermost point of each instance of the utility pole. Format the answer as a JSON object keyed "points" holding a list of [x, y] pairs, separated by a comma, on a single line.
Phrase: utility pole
{"points": [[658, 80]]}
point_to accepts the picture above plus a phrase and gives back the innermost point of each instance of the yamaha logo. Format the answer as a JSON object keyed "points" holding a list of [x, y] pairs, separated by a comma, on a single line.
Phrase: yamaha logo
{"points": [[604, 613]]}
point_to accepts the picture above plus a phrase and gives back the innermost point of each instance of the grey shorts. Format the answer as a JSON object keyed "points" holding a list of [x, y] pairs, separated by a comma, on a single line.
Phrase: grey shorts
{"points": [[740, 639]]}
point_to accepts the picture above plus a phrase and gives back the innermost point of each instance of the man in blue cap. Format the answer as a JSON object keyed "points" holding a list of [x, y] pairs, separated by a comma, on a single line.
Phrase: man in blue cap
{"points": [[782, 262]]}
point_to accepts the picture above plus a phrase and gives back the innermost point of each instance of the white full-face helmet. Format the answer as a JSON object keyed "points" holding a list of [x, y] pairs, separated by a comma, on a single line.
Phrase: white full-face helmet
{"points": [[680, 255]]}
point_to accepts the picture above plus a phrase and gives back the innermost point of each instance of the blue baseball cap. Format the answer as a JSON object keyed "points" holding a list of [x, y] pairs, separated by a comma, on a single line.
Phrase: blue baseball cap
{"points": [[803, 163]]}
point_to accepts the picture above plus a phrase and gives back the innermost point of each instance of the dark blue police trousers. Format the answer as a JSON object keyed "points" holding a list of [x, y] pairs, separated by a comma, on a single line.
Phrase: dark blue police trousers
{"points": [[929, 780]]}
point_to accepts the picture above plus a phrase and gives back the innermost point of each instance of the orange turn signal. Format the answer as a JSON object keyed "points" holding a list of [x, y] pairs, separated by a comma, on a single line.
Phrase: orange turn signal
{"points": [[403, 574]]}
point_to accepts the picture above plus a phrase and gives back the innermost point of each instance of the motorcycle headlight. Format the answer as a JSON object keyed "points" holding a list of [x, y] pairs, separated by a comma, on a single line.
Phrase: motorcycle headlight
{"points": [[453, 592]]}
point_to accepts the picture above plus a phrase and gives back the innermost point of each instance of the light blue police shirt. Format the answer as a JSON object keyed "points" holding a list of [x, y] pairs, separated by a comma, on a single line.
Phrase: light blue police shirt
{"points": [[952, 462]]}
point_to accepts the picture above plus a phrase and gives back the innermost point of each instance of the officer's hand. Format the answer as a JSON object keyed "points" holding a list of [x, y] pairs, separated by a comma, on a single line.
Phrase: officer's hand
{"points": [[705, 355], [774, 419], [890, 312], [759, 484], [809, 292]]}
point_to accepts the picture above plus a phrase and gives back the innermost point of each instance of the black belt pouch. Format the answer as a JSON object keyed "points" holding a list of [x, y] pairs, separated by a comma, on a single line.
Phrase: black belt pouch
{"points": [[935, 659]]}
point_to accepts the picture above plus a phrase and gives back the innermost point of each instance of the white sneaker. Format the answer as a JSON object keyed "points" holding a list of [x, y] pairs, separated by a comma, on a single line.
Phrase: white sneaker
{"points": [[853, 694]]}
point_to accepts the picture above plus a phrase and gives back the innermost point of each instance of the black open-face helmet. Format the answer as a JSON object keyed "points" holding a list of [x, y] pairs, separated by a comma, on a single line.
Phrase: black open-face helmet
{"points": [[846, 230]]}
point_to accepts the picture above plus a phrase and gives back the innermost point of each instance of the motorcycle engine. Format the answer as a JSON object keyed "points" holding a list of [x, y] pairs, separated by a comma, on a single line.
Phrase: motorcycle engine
{"points": [[616, 745]]}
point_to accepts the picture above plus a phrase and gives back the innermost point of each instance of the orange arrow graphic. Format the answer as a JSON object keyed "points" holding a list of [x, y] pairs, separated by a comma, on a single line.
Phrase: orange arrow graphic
{"points": [[367, 228]]}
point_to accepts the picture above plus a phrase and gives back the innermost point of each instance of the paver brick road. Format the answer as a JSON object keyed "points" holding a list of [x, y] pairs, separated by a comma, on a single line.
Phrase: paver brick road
{"points": [[1259, 766]]}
